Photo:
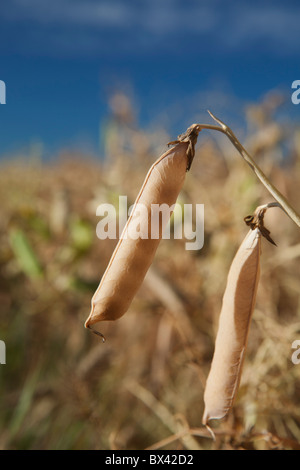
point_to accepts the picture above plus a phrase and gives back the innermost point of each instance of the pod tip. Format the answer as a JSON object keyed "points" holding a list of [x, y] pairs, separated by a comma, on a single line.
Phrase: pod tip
{"points": [[210, 431], [86, 325]]}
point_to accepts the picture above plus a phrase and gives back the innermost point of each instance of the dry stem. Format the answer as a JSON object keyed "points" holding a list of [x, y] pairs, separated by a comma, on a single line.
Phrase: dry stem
{"points": [[285, 205]]}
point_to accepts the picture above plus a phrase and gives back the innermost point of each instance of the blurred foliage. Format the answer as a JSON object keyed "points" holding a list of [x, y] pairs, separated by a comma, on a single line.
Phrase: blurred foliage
{"points": [[61, 388]]}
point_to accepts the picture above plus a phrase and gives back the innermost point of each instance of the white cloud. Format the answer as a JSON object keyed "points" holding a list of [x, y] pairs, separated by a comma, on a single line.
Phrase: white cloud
{"points": [[275, 25], [143, 24], [80, 13]]}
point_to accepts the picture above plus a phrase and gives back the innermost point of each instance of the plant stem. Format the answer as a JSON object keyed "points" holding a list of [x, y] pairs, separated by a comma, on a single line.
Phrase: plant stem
{"points": [[285, 205]]}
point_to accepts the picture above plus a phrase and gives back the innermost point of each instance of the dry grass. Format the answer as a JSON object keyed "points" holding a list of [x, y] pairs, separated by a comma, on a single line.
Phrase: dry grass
{"points": [[62, 388]]}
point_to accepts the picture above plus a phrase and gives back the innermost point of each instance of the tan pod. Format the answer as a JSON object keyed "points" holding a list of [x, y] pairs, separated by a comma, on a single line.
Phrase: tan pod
{"points": [[132, 258], [231, 341]]}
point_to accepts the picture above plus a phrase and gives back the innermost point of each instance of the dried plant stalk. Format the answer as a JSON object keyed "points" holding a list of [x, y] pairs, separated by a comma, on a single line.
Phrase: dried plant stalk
{"points": [[237, 308], [132, 257], [281, 200]]}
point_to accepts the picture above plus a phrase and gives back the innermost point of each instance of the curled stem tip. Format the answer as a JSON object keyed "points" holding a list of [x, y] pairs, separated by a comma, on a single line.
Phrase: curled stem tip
{"points": [[97, 333], [257, 220], [211, 432]]}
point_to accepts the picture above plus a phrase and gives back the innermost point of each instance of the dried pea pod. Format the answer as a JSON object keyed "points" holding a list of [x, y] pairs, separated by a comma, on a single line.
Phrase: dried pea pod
{"points": [[234, 322], [132, 258]]}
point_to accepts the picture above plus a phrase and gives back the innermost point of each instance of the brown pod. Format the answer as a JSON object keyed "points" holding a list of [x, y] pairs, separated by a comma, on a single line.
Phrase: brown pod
{"points": [[132, 258], [231, 341]]}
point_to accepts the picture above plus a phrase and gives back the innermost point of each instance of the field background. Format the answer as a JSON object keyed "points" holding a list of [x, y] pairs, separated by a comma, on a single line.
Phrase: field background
{"points": [[143, 388]]}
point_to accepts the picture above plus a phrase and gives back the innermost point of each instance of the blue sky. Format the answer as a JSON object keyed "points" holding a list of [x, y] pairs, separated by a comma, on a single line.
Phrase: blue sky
{"points": [[61, 59]]}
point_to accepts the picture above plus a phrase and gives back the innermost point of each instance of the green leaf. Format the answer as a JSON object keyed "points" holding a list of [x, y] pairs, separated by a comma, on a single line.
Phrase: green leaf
{"points": [[81, 234], [25, 254]]}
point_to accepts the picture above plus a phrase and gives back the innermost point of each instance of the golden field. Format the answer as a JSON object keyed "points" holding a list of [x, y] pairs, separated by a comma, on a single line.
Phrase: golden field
{"points": [[62, 388]]}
